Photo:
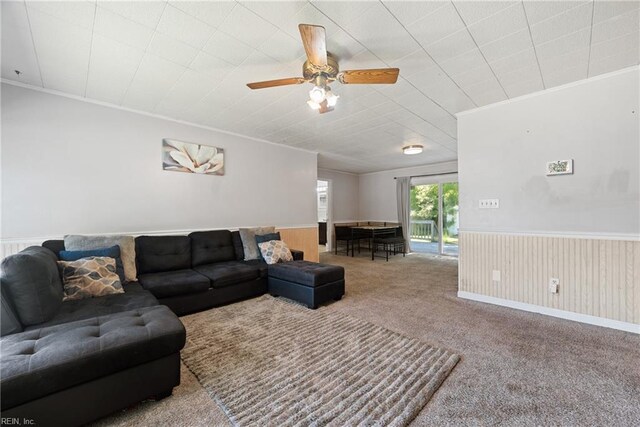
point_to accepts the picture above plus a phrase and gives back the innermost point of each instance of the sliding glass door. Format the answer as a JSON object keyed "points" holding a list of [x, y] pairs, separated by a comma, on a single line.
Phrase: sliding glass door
{"points": [[425, 209], [434, 217], [449, 197]]}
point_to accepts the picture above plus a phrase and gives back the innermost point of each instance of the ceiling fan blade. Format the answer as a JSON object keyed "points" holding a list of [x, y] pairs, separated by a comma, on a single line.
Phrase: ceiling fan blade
{"points": [[315, 44], [274, 83], [324, 107], [371, 76]]}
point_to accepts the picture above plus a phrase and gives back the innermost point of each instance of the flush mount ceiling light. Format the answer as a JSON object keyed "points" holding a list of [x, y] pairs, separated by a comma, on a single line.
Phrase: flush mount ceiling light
{"points": [[321, 69], [412, 149]]}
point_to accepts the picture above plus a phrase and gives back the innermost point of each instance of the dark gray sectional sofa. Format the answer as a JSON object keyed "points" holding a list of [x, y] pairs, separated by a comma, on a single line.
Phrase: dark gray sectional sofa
{"points": [[68, 363], [192, 273]]}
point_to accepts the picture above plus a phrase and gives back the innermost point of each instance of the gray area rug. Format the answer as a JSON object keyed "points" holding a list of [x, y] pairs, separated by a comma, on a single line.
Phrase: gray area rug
{"points": [[268, 361]]}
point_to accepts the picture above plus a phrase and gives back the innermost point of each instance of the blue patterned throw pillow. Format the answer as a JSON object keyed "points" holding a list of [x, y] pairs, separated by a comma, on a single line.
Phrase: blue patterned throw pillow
{"points": [[266, 237], [112, 252]]}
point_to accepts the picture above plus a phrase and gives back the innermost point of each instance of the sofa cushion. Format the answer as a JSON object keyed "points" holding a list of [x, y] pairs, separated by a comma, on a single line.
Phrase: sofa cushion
{"points": [[9, 322], [229, 273], [43, 361], [133, 297], [55, 246], [111, 252], [297, 255], [126, 244], [31, 283], [211, 246], [172, 283], [262, 266], [307, 273], [237, 245], [162, 253]]}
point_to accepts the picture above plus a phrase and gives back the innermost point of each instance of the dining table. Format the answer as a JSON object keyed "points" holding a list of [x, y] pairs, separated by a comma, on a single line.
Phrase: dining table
{"points": [[373, 231]]}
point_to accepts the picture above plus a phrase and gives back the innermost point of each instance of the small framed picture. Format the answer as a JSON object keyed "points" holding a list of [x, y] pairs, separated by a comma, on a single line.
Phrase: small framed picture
{"points": [[560, 167]]}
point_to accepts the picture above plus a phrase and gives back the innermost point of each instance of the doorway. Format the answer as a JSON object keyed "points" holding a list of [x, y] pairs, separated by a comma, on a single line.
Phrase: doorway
{"points": [[324, 215], [434, 216]]}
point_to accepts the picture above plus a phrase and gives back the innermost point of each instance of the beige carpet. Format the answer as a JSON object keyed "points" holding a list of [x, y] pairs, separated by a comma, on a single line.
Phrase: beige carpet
{"points": [[269, 361], [517, 368]]}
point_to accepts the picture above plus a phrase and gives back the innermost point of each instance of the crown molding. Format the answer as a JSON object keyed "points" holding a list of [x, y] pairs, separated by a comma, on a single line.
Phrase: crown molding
{"points": [[399, 170], [337, 171]]}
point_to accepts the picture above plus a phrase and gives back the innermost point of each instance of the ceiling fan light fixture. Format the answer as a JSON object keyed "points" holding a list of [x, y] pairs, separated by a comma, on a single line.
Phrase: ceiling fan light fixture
{"points": [[314, 105], [412, 149], [317, 94], [320, 68], [332, 98]]}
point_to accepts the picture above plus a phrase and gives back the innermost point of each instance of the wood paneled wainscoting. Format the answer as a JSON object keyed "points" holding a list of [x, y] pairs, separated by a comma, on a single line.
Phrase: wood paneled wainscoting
{"points": [[599, 278], [304, 239]]}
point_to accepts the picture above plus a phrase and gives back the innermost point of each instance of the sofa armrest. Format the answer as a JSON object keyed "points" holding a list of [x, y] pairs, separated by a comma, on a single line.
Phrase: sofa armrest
{"points": [[297, 255]]}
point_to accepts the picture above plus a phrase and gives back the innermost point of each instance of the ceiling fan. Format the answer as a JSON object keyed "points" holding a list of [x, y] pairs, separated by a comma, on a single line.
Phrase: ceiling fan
{"points": [[321, 69]]}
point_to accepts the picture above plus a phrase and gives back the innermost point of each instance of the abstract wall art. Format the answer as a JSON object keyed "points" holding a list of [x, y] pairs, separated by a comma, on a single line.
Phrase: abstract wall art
{"points": [[192, 158]]}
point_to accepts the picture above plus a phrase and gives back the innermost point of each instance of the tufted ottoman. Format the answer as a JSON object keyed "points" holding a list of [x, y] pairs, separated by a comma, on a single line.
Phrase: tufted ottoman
{"points": [[75, 372], [310, 283]]}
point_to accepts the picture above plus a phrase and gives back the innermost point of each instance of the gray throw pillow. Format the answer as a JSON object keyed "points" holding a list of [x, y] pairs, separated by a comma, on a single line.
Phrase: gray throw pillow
{"points": [[248, 237], [31, 282], [127, 249]]}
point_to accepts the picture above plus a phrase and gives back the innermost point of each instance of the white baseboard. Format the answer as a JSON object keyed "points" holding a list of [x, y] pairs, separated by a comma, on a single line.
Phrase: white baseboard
{"points": [[568, 315]]}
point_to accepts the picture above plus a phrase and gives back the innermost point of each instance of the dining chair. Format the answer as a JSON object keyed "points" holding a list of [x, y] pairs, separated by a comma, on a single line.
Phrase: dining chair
{"points": [[344, 233]]}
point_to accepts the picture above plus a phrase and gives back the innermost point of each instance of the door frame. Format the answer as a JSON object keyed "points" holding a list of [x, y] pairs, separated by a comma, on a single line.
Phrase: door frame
{"points": [[329, 210], [329, 214]]}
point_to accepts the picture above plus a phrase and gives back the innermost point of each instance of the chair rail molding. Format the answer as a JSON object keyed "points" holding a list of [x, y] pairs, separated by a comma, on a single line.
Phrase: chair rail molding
{"points": [[301, 235]]}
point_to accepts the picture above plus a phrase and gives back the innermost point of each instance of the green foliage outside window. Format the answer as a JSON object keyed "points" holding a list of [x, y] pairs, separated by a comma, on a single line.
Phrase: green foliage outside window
{"points": [[424, 204]]}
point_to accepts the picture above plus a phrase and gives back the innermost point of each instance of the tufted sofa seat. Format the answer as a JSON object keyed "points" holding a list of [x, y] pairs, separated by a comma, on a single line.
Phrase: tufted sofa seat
{"points": [[70, 311], [43, 361], [229, 273]]}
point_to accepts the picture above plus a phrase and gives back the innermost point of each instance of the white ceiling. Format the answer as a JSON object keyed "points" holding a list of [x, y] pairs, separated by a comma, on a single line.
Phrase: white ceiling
{"points": [[191, 61]]}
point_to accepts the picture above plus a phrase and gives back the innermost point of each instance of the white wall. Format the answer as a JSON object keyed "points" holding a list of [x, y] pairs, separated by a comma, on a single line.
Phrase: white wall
{"points": [[581, 229], [344, 193], [503, 150], [377, 198], [70, 166]]}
